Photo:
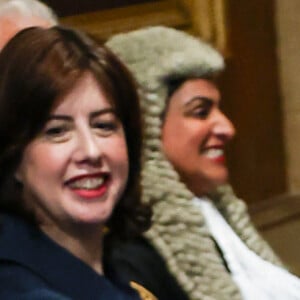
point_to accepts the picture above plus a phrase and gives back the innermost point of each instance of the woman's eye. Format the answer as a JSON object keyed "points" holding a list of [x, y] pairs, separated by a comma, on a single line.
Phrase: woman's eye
{"points": [[201, 109], [201, 112], [105, 127], [55, 131]]}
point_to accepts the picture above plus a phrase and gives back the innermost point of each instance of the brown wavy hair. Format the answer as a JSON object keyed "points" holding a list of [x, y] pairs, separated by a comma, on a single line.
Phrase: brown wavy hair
{"points": [[36, 68]]}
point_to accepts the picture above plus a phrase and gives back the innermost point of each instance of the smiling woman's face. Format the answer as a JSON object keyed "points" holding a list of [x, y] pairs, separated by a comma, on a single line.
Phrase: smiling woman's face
{"points": [[76, 169], [194, 135]]}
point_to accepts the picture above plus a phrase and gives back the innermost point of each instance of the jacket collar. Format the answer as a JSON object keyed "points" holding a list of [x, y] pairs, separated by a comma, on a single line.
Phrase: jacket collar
{"points": [[63, 272]]}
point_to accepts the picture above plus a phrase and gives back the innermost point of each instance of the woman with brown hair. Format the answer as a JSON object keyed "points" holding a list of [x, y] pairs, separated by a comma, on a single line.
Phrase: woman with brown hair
{"points": [[70, 146]]}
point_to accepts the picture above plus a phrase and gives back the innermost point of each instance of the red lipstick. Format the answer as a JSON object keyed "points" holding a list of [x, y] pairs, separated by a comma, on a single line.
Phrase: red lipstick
{"points": [[220, 159], [95, 188], [93, 193]]}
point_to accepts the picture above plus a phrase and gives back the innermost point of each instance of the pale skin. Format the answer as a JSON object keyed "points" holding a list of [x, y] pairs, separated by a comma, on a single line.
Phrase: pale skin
{"points": [[75, 171], [13, 23], [194, 135]]}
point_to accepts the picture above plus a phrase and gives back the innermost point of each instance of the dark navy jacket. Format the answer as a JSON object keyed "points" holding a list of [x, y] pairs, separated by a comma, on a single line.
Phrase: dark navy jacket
{"points": [[136, 260], [32, 266]]}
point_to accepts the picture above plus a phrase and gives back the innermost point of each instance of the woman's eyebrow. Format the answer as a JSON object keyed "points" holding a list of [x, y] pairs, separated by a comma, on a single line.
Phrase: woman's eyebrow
{"points": [[92, 114], [203, 99], [97, 113], [59, 117]]}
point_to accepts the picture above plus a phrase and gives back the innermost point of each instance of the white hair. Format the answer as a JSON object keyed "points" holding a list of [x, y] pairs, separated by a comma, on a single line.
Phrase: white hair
{"points": [[27, 8]]}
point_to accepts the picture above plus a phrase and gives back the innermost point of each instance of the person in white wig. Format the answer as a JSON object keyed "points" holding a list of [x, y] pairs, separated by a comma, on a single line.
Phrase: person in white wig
{"points": [[19, 14], [202, 244]]}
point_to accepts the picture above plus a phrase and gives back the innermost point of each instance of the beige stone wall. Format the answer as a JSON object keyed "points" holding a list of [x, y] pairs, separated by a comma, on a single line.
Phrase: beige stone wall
{"points": [[288, 34]]}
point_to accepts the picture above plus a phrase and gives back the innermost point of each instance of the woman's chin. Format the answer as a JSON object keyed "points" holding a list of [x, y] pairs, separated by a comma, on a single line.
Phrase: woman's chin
{"points": [[204, 186]]}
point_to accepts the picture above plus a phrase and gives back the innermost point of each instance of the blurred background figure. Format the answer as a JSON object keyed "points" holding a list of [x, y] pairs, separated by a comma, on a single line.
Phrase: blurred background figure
{"points": [[201, 232], [19, 14]]}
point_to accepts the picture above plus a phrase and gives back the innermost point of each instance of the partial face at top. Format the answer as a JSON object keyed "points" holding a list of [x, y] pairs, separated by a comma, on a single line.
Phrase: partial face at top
{"points": [[76, 169], [194, 135], [11, 25]]}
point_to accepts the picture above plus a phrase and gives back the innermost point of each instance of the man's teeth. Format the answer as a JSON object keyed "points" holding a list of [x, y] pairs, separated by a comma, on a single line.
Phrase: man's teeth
{"points": [[213, 153], [87, 183]]}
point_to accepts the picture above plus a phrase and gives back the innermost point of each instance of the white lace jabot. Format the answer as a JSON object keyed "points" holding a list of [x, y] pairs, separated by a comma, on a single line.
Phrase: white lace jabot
{"points": [[256, 278]]}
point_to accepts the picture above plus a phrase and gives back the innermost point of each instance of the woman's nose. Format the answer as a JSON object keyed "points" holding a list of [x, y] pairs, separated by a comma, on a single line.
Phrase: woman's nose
{"points": [[224, 127], [88, 148]]}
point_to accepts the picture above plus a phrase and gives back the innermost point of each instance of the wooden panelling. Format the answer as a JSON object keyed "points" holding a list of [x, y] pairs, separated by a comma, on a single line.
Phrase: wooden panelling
{"points": [[278, 220], [107, 22], [251, 98], [74, 7], [275, 211], [205, 18]]}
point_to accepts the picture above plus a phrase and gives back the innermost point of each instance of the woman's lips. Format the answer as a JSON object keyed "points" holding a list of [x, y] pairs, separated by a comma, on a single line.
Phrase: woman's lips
{"points": [[89, 186], [91, 194], [215, 154]]}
